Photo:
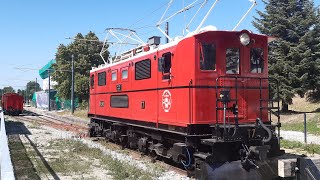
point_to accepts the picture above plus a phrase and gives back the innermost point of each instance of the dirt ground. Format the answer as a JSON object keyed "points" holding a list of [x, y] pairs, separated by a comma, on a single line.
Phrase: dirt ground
{"points": [[297, 110], [43, 152], [40, 152]]}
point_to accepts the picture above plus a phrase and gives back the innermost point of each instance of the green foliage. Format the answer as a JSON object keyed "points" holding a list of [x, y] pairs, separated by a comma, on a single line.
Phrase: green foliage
{"points": [[310, 148], [31, 87], [313, 125], [8, 89], [291, 57], [86, 51]]}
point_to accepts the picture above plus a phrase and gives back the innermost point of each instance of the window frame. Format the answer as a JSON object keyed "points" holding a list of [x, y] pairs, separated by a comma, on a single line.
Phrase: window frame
{"points": [[239, 61], [162, 63], [116, 72], [201, 55], [125, 69], [261, 63], [92, 81], [119, 105], [105, 78]]}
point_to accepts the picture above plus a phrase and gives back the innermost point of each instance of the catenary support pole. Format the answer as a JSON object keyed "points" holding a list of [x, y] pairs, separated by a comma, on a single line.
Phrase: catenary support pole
{"points": [[72, 86], [167, 32], [35, 90], [49, 109], [35, 86], [305, 127]]}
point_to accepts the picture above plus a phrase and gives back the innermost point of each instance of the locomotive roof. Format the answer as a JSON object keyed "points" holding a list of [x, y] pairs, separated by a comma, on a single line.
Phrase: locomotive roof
{"points": [[153, 49], [167, 45]]}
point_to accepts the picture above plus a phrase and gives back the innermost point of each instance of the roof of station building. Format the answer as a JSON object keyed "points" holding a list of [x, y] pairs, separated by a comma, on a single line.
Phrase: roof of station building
{"points": [[43, 72]]}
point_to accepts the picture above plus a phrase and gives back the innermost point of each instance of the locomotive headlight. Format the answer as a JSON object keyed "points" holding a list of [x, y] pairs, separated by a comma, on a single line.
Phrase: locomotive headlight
{"points": [[244, 39]]}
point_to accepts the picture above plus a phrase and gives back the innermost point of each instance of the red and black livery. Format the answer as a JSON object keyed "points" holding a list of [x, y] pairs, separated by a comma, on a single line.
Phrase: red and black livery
{"points": [[201, 100]]}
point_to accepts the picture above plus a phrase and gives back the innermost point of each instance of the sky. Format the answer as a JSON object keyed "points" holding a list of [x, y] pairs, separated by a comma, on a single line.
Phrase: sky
{"points": [[31, 31]]}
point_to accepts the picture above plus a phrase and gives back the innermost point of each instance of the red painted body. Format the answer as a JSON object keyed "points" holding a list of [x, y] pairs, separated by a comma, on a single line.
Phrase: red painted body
{"points": [[12, 103], [189, 96]]}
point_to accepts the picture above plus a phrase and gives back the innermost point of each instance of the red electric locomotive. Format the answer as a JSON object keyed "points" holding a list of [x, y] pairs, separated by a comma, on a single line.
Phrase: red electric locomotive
{"points": [[12, 103], [203, 101]]}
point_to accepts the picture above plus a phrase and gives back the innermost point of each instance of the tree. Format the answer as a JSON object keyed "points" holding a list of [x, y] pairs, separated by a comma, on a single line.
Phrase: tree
{"points": [[86, 51], [290, 21], [8, 89], [311, 63], [31, 88]]}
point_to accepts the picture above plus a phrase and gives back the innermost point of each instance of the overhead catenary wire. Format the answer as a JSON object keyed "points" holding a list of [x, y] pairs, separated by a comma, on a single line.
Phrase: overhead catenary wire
{"points": [[35, 69], [150, 13]]}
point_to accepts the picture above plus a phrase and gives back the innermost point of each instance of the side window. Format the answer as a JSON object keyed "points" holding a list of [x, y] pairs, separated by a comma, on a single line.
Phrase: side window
{"points": [[232, 60], [143, 69], [207, 56], [164, 65], [102, 79], [119, 101], [256, 60], [124, 74], [92, 81], [114, 75]]}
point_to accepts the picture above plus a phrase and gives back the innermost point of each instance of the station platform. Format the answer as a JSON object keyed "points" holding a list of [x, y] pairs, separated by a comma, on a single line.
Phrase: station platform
{"points": [[6, 168]]}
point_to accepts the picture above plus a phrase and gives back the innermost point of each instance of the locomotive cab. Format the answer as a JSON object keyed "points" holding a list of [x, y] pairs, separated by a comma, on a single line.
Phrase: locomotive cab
{"points": [[234, 63], [235, 97]]}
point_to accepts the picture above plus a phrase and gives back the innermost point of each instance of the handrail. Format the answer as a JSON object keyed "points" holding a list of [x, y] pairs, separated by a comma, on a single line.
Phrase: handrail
{"points": [[260, 79], [5, 160]]}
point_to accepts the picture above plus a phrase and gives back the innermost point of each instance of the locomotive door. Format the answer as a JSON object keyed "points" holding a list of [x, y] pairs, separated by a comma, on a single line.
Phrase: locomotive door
{"points": [[92, 102], [166, 94], [235, 58]]}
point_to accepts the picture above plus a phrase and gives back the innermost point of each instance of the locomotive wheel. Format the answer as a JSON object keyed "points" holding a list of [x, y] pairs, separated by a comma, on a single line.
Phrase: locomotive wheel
{"points": [[142, 145], [153, 156], [123, 142], [91, 133]]}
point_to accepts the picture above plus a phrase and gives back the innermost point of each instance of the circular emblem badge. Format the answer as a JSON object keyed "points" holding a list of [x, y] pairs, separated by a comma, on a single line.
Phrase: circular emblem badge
{"points": [[166, 100]]}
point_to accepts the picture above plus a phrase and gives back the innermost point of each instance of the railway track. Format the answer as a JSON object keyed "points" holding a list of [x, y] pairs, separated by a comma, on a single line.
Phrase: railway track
{"points": [[81, 130]]}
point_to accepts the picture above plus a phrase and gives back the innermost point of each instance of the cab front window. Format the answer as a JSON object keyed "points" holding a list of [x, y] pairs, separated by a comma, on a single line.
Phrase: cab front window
{"points": [[207, 56], [232, 60], [256, 60]]}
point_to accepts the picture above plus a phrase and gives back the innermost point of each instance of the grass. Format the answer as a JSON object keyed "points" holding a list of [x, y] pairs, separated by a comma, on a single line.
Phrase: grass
{"points": [[81, 113], [65, 156], [313, 125], [34, 125], [310, 148], [294, 121], [21, 161], [76, 150]]}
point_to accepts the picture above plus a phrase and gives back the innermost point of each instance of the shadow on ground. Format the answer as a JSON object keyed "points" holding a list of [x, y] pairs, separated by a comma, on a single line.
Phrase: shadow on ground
{"points": [[291, 112], [22, 164]]}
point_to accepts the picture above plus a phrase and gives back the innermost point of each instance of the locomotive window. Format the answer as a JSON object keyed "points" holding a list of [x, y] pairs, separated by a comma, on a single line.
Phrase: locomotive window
{"points": [[114, 76], [92, 81], [232, 60], [119, 101], [143, 69], [207, 56], [124, 74], [102, 79], [164, 65], [256, 60]]}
